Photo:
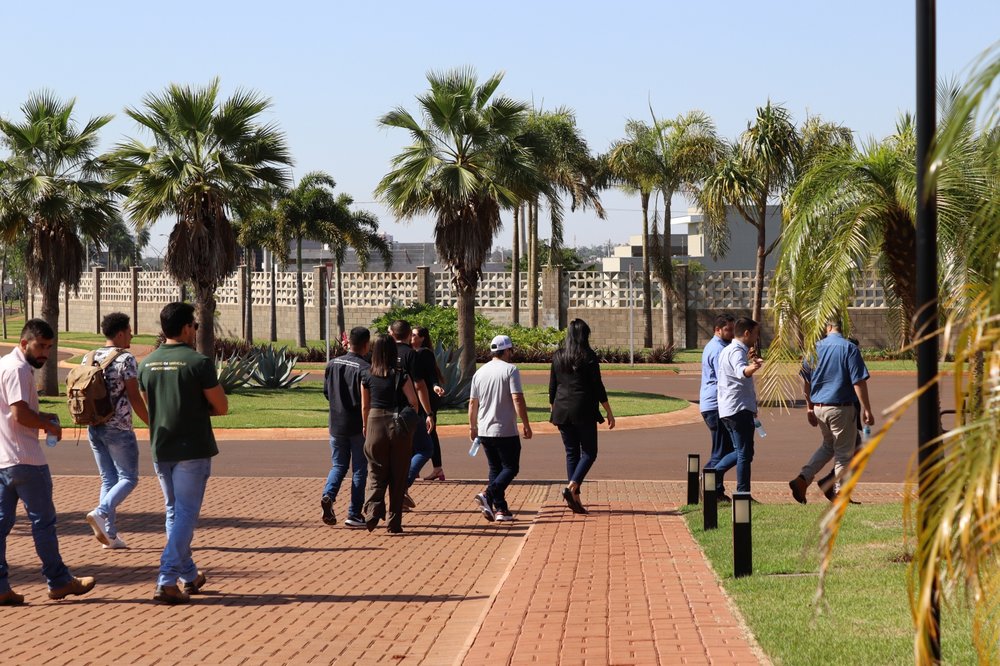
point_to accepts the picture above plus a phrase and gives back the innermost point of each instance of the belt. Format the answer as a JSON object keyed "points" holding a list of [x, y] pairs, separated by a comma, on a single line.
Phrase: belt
{"points": [[832, 404]]}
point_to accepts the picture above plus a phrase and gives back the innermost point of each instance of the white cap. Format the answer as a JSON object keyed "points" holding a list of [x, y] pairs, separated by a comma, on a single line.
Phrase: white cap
{"points": [[501, 342]]}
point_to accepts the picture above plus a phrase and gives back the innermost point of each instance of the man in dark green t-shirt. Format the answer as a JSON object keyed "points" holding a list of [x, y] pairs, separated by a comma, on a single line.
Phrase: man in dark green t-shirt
{"points": [[182, 392]]}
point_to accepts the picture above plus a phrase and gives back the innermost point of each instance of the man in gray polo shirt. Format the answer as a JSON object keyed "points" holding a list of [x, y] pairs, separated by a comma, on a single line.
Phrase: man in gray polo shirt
{"points": [[495, 402]]}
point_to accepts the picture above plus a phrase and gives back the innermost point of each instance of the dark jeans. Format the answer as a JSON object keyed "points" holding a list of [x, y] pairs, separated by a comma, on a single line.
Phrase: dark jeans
{"points": [[740, 427], [722, 445], [581, 449], [436, 456], [423, 448], [32, 484], [504, 456]]}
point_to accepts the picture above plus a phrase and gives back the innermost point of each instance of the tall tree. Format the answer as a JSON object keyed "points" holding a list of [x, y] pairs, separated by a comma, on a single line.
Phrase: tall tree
{"points": [[632, 163], [686, 150], [208, 158], [255, 228], [463, 167], [55, 195], [752, 171]]}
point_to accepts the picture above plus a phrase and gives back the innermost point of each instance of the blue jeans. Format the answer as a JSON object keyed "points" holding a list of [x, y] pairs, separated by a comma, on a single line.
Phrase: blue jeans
{"points": [[722, 445], [117, 456], [32, 484], [504, 457], [183, 484], [580, 442], [423, 449], [343, 450], [740, 427]]}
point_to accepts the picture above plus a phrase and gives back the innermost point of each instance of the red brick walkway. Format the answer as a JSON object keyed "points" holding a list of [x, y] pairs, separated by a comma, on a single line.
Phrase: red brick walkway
{"points": [[624, 585]]}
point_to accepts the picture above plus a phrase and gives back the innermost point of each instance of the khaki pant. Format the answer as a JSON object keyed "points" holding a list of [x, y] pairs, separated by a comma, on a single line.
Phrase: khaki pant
{"points": [[839, 426], [388, 463]]}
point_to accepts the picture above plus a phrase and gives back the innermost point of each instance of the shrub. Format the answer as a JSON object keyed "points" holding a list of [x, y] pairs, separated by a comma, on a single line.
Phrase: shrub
{"points": [[236, 371], [442, 322]]}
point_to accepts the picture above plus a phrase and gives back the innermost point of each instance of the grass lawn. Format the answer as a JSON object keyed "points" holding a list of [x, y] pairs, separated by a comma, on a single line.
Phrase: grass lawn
{"points": [[866, 619], [305, 407]]}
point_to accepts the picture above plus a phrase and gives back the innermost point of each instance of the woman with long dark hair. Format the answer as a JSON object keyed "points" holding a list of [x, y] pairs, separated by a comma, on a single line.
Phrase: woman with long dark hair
{"points": [[420, 339], [385, 388], [575, 391]]}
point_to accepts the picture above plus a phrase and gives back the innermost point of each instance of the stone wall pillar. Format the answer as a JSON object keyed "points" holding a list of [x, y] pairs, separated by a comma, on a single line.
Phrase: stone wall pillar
{"points": [[241, 297], [425, 285], [553, 312], [135, 300], [97, 298]]}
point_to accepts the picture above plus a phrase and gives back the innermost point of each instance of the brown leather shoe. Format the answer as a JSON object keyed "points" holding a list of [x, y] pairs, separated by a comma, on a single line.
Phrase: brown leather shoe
{"points": [[194, 586], [11, 598], [74, 586], [798, 486], [828, 484], [171, 594]]}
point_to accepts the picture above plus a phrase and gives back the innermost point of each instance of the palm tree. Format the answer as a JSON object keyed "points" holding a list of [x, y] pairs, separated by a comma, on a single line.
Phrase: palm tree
{"points": [[759, 166], [358, 230], [632, 163], [687, 147], [464, 166], [209, 157], [54, 193]]}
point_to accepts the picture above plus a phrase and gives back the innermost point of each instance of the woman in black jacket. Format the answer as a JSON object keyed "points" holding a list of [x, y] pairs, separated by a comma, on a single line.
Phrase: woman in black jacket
{"points": [[575, 390]]}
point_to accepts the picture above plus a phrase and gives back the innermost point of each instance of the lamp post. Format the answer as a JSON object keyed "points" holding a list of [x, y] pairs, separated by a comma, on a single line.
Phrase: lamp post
{"points": [[742, 535], [694, 467], [710, 510]]}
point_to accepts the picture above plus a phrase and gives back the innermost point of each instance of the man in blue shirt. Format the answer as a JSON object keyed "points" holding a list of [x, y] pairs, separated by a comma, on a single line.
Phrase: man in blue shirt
{"points": [[722, 443], [839, 377], [738, 398]]}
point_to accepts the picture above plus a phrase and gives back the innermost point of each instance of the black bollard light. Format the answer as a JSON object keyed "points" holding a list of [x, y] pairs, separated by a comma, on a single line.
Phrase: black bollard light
{"points": [[742, 536], [711, 508], [694, 469]]}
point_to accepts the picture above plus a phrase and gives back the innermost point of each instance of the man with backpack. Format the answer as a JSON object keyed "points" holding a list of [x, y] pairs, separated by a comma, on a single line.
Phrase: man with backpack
{"points": [[109, 429]]}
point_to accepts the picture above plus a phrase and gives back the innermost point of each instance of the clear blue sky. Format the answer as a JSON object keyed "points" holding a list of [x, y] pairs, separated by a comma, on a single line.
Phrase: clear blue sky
{"points": [[331, 69]]}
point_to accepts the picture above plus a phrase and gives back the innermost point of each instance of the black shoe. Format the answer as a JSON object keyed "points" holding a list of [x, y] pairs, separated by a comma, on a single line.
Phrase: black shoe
{"points": [[329, 517], [798, 486], [194, 586], [723, 498], [170, 594], [827, 484], [572, 501], [354, 521]]}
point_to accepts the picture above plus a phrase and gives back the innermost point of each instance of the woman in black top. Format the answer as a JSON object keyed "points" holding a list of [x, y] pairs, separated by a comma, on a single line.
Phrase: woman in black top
{"points": [[575, 390], [385, 389], [420, 339]]}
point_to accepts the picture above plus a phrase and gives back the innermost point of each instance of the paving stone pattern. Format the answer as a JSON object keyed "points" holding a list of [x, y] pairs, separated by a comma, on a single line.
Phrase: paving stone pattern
{"points": [[623, 585]]}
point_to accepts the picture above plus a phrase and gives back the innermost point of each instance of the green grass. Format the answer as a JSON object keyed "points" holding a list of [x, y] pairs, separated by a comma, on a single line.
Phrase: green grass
{"points": [[305, 407], [866, 617]]}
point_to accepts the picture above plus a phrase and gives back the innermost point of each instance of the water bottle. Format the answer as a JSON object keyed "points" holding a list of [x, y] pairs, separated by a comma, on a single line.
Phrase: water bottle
{"points": [[474, 449], [760, 428], [866, 433], [50, 439]]}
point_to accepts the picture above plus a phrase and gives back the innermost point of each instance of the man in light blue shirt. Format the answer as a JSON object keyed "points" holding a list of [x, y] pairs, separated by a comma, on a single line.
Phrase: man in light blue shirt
{"points": [[722, 443], [738, 398], [839, 379]]}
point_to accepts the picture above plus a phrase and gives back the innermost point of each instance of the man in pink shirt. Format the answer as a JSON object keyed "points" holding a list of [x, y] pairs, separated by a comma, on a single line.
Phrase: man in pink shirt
{"points": [[24, 474]]}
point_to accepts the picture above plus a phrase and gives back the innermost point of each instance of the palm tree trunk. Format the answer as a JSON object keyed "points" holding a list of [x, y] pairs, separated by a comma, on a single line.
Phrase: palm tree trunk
{"points": [[341, 323], [274, 300], [204, 305], [532, 250], [899, 247], [248, 299], [667, 283], [666, 293], [515, 271], [758, 286], [647, 288], [300, 294], [47, 381], [3, 295], [524, 230], [466, 285]]}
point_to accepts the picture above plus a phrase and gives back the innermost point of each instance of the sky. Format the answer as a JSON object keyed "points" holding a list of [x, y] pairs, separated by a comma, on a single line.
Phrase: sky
{"points": [[331, 69]]}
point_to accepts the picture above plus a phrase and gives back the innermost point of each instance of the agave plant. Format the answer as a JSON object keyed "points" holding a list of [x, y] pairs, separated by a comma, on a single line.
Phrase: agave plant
{"points": [[456, 384], [274, 368], [236, 371]]}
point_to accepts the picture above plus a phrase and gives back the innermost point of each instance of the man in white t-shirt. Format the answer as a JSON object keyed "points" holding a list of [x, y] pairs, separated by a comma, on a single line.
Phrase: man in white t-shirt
{"points": [[24, 474], [495, 403]]}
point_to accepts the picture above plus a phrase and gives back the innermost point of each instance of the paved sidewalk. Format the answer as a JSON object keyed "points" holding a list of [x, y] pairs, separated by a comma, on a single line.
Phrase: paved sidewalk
{"points": [[624, 585]]}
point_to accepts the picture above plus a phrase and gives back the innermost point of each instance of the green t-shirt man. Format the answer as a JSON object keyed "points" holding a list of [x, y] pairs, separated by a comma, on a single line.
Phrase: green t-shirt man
{"points": [[174, 378]]}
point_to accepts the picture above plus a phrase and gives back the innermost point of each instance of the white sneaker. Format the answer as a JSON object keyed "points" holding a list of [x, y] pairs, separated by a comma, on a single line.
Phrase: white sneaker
{"points": [[116, 543], [96, 522], [502, 517]]}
